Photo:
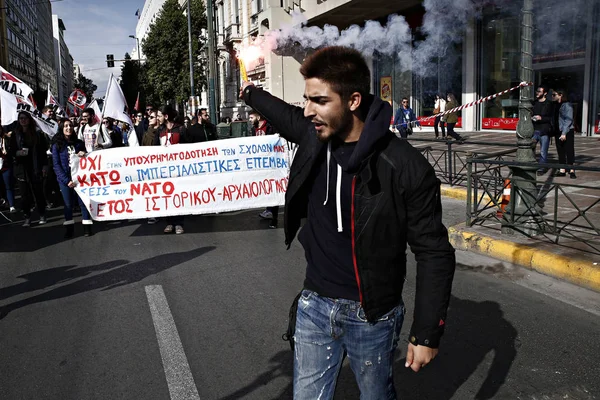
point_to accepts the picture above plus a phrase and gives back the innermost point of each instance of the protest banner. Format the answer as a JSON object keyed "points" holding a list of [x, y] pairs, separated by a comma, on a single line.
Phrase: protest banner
{"points": [[200, 178], [52, 101], [13, 85], [11, 105]]}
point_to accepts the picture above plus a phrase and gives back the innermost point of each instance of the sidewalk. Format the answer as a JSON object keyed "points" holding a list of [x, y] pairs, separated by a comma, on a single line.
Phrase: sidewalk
{"points": [[571, 260]]}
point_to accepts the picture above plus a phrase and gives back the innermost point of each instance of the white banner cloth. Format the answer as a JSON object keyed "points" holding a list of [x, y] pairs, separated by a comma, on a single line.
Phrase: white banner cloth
{"points": [[11, 106], [200, 178]]}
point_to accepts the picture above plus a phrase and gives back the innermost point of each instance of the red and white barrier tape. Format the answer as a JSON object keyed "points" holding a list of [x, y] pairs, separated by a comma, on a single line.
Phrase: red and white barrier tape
{"points": [[474, 103]]}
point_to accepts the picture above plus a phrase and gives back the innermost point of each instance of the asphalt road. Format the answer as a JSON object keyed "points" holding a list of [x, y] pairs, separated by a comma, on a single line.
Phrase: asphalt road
{"points": [[131, 313]]}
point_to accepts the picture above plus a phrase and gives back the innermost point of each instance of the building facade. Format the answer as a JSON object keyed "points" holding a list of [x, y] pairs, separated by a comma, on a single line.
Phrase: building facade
{"points": [[63, 61], [146, 18], [26, 35], [45, 46], [20, 33], [483, 57]]}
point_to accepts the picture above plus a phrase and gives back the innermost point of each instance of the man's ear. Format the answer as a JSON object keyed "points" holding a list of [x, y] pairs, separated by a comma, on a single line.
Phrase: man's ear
{"points": [[355, 101]]}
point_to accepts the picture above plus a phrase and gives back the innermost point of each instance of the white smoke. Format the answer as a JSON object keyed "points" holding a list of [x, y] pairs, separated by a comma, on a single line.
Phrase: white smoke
{"points": [[445, 23]]}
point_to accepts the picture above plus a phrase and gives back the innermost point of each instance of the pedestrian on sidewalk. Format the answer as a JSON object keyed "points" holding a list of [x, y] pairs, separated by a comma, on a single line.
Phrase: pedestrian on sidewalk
{"points": [[365, 195], [64, 144], [452, 118], [542, 125], [565, 139], [405, 118], [439, 107]]}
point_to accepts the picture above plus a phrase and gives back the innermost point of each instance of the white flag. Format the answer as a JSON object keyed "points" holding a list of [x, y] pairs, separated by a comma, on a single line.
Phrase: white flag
{"points": [[12, 105], [94, 106], [115, 107], [14, 85], [52, 101]]}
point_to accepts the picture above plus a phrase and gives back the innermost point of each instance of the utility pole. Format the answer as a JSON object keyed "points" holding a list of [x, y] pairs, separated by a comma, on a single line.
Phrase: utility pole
{"points": [[193, 91], [526, 211], [212, 63]]}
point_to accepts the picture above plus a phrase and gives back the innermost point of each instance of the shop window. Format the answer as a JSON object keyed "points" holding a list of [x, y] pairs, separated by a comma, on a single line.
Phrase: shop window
{"points": [[500, 65]]}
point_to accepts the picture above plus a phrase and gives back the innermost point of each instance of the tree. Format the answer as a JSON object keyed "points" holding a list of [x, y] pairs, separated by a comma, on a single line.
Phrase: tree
{"points": [[86, 85], [131, 73], [166, 71]]}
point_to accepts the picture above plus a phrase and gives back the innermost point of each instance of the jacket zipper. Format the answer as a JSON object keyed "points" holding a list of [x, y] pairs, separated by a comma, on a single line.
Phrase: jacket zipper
{"points": [[354, 243]]}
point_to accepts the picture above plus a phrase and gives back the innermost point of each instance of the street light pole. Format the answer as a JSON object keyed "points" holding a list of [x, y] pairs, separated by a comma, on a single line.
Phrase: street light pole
{"points": [[138, 48], [526, 210], [193, 91]]}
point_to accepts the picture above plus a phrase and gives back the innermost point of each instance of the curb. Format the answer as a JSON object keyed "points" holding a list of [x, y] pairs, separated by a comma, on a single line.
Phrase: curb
{"points": [[458, 193], [454, 192], [579, 272]]}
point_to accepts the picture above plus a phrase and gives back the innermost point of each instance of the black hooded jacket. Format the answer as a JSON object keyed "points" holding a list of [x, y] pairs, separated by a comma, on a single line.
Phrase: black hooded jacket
{"points": [[395, 201]]}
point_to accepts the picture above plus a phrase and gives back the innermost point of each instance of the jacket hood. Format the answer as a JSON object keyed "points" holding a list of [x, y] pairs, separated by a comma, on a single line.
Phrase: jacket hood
{"points": [[377, 125]]}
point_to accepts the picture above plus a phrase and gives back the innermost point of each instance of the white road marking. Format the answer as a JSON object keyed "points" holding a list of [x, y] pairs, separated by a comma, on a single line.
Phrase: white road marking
{"points": [[177, 370]]}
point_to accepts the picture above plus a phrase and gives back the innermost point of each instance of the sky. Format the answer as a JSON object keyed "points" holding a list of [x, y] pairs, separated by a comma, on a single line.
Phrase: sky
{"points": [[95, 28]]}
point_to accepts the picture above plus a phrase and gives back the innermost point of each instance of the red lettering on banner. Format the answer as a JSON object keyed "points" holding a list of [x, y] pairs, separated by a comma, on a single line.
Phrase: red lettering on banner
{"points": [[100, 209], [168, 188], [148, 188], [82, 179], [120, 206], [154, 207], [212, 151], [90, 162], [115, 177]]}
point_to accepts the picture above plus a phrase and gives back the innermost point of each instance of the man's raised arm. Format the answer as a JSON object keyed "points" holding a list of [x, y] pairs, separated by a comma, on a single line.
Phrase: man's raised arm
{"points": [[288, 120]]}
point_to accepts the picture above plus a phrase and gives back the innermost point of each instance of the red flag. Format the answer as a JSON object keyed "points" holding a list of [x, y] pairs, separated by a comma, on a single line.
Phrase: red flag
{"points": [[137, 103]]}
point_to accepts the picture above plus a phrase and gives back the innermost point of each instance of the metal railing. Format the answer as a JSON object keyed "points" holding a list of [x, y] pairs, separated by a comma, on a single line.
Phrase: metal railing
{"points": [[558, 212], [449, 160]]}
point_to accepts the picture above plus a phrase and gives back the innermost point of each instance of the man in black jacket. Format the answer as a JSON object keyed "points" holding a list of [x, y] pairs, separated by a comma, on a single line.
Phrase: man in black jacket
{"points": [[365, 194], [543, 110]]}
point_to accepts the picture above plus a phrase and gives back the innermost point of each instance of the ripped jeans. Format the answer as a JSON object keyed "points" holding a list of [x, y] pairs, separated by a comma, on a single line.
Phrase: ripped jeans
{"points": [[329, 329]]}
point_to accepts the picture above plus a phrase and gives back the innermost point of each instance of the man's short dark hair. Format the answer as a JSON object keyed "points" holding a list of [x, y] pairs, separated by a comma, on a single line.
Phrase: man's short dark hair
{"points": [[47, 108], [253, 112], [201, 110], [343, 68], [90, 111]]}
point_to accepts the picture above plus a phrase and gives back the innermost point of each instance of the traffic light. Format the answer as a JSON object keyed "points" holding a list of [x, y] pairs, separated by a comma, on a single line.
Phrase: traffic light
{"points": [[110, 60]]}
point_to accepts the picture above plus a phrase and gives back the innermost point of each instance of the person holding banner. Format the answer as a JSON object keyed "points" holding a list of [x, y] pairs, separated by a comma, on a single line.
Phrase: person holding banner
{"points": [[28, 147], [260, 127], [92, 133], [64, 145], [170, 133], [365, 195]]}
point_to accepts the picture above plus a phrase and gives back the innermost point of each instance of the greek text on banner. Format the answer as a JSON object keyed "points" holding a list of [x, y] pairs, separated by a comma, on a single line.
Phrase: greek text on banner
{"points": [[200, 178]]}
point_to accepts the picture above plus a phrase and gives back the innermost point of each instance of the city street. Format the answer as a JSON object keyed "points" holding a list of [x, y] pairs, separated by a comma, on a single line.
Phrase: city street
{"points": [[90, 318]]}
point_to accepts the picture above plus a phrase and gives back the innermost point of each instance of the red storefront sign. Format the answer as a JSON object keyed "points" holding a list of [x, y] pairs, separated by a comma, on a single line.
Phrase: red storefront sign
{"points": [[509, 124]]}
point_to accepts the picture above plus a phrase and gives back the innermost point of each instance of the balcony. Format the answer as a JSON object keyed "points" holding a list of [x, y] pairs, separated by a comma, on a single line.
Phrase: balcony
{"points": [[253, 24], [232, 33]]}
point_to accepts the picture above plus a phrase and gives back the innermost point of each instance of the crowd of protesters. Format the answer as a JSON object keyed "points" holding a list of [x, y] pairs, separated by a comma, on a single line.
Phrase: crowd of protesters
{"points": [[38, 167]]}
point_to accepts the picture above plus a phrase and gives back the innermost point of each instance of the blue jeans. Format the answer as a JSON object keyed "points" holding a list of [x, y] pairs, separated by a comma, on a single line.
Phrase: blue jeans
{"points": [[9, 184], [329, 329], [544, 145], [69, 195]]}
